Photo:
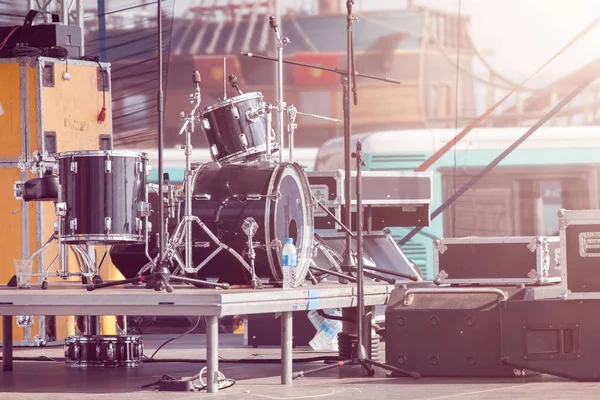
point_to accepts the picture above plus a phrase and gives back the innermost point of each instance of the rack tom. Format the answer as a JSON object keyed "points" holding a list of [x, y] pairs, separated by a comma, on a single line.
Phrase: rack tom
{"points": [[236, 128], [102, 196]]}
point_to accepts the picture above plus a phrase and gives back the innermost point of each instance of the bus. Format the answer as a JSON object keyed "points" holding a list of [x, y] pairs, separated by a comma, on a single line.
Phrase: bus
{"points": [[557, 167]]}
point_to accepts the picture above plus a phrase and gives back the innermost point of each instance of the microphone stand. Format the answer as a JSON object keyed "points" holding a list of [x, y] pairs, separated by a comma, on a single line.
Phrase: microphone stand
{"points": [[363, 328], [359, 355], [347, 80], [160, 271], [281, 42]]}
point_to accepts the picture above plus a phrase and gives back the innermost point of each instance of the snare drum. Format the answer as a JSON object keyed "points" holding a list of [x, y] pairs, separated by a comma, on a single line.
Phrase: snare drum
{"points": [[103, 351], [236, 128], [100, 196]]}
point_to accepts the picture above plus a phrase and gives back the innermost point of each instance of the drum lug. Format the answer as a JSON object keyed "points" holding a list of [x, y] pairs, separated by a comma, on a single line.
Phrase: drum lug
{"points": [[253, 197], [107, 224], [202, 244], [214, 151], [61, 209], [201, 196], [205, 123], [235, 112], [108, 166], [143, 209], [77, 351], [73, 224], [110, 352], [73, 167], [138, 225], [244, 141]]}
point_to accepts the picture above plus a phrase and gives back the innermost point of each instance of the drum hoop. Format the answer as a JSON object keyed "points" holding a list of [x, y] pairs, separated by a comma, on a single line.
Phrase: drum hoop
{"points": [[231, 101], [103, 238], [306, 223], [253, 150], [94, 153], [268, 202]]}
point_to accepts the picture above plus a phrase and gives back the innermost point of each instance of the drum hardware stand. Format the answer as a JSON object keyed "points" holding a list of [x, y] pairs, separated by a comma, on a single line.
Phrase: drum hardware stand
{"points": [[292, 126], [160, 272], [281, 42], [359, 354], [190, 119], [158, 266], [250, 227]]}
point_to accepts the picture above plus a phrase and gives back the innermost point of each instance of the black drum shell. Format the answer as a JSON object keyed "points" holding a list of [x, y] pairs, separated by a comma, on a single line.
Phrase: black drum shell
{"points": [[225, 123], [92, 194], [229, 189]]}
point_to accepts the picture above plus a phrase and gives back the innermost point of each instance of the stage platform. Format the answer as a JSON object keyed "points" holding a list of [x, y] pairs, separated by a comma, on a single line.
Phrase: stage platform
{"points": [[256, 372], [72, 299]]}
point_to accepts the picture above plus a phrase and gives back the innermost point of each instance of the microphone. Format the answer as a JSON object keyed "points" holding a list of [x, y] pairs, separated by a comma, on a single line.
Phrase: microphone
{"points": [[196, 79], [234, 83]]}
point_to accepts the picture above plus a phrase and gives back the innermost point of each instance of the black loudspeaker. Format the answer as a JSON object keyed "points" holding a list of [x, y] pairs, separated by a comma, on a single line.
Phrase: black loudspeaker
{"points": [[555, 336], [452, 332], [265, 330]]}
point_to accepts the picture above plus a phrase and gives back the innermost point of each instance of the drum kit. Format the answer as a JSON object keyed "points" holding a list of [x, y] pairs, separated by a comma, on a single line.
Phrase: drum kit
{"points": [[226, 225]]}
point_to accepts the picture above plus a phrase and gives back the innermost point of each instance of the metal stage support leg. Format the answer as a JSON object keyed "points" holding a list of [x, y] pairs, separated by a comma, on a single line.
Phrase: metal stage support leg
{"points": [[286, 348], [367, 333], [7, 344], [212, 354]]}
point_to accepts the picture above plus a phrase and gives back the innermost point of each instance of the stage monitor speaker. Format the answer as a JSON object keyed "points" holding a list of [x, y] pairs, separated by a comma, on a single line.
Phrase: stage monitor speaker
{"points": [[448, 333], [553, 336]]}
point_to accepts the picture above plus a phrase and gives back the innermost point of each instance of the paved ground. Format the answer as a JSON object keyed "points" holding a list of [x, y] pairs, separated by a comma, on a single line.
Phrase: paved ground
{"points": [[259, 379]]}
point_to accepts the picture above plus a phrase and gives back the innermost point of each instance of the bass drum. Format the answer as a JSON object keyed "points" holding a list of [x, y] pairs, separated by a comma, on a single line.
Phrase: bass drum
{"points": [[276, 196]]}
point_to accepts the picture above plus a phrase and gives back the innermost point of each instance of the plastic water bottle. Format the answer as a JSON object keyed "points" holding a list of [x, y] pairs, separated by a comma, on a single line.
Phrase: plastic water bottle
{"points": [[289, 264]]}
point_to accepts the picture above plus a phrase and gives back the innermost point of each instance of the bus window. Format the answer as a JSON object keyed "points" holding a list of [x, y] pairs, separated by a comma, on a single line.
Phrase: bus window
{"points": [[551, 202]]}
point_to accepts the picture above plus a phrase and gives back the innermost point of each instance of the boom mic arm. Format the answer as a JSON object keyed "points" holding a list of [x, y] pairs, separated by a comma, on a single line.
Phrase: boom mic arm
{"points": [[234, 83]]}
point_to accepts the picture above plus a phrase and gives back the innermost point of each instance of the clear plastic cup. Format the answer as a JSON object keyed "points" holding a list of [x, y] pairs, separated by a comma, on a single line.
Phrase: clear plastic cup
{"points": [[23, 271]]}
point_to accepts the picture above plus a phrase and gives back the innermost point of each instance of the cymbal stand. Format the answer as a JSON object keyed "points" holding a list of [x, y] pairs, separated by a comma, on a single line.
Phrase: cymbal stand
{"points": [[190, 119], [281, 42]]}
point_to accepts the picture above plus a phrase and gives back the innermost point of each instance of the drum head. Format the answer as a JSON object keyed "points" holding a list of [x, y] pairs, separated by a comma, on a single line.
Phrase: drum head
{"points": [[291, 216]]}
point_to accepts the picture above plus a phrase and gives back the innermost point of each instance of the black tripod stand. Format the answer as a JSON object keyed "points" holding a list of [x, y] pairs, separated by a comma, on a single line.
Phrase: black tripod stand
{"points": [[359, 355]]}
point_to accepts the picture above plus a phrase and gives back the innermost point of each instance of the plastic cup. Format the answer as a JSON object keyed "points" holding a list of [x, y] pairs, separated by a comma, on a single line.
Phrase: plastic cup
{"points": [[23, 271]]}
